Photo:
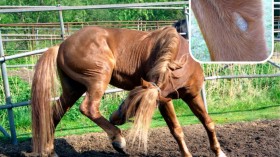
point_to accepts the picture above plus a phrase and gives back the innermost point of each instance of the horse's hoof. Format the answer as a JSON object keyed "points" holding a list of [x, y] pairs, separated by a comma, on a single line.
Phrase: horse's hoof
{"points": [[221, 154], [117, 146]]}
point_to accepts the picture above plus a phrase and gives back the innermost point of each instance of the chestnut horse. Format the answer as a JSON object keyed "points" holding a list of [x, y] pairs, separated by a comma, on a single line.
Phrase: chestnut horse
{"points": [[233, 29], [155, 66]]}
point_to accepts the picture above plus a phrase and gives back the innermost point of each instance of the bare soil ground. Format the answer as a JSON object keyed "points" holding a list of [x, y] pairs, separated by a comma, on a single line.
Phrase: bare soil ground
{"points": [[258, 139]]}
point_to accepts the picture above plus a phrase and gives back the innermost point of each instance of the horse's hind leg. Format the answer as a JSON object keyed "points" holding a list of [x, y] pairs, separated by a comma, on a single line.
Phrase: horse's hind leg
{"points": [[168, 113], [71, 92], [96, 86], [197, 106]]}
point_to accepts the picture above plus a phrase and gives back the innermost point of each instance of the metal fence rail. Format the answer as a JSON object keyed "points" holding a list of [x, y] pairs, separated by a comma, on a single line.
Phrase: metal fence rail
{"points": [[157, 5], [241, 76], [52, 31]]}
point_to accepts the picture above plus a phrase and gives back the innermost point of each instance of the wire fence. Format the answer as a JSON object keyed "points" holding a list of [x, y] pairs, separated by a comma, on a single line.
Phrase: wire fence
{"points": [[25, 37]]}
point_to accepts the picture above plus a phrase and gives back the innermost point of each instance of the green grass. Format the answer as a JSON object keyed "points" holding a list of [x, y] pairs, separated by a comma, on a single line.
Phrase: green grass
{"points": [[82, 125], [264, 104]]}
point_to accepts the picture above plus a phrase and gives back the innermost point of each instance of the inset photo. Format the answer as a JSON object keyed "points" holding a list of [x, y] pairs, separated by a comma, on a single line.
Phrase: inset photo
{"points": [[231, 31]]}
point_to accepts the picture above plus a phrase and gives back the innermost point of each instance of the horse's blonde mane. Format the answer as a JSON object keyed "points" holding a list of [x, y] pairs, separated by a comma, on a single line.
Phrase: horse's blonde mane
{"points": [[166, 47], [142, 100]]}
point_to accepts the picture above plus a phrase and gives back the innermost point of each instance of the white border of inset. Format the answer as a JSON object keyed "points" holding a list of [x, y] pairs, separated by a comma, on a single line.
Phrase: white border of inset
{"points": [[231, 62]]}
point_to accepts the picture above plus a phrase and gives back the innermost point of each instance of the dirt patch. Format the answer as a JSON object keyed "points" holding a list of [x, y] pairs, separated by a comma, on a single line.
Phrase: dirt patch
{"points": [[259, 138]]}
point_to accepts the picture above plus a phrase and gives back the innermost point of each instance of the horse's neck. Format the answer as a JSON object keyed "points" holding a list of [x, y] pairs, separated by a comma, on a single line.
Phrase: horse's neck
{"points": [[132, 62], [233, 30]]}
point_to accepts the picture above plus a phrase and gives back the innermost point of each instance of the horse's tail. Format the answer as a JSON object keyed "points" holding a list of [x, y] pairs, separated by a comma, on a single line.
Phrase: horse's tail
{"points": [[42, 91], [141, 103], [142, 100]]}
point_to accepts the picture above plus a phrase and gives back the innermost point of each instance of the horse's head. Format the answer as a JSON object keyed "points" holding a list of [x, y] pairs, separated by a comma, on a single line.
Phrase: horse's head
{"points": [[181, 27]]}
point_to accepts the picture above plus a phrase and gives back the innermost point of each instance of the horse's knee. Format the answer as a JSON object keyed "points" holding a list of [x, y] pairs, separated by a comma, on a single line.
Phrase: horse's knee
{"points": [[177, 132], [210, 126], [90, 108], [94, 114], [91, 112]]}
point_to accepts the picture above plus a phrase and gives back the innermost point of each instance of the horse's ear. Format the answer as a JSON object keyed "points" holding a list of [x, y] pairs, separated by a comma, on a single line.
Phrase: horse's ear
{"points": [[144, 83]]}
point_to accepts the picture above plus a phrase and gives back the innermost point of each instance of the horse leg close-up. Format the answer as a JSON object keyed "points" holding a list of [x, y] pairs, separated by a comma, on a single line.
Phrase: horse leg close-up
{"points": [[169, 115], [90, 108], [197, 106]]}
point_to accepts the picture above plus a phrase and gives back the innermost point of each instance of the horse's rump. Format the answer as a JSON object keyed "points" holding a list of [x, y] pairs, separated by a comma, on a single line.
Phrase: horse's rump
{"points": [[233, 29]]}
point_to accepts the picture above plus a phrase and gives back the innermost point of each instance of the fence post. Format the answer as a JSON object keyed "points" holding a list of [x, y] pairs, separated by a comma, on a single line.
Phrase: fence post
{"points": [[61, 23], [203, 94], [278, 26], [7, 94], [187, 21]]}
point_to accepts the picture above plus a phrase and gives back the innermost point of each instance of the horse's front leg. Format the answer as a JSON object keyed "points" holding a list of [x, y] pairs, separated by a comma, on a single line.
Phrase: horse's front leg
{"points": [[90, 108], [197, 106], [167, 111]]}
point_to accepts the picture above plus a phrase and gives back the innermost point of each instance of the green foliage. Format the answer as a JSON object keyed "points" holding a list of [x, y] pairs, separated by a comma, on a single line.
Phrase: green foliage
{"points": [[242, 94], [20, 91], [143, 14]]}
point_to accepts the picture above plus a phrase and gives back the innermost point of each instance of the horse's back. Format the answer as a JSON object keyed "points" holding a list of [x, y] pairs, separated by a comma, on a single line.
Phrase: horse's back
{"points": [[94, 50], [121, 54]]}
